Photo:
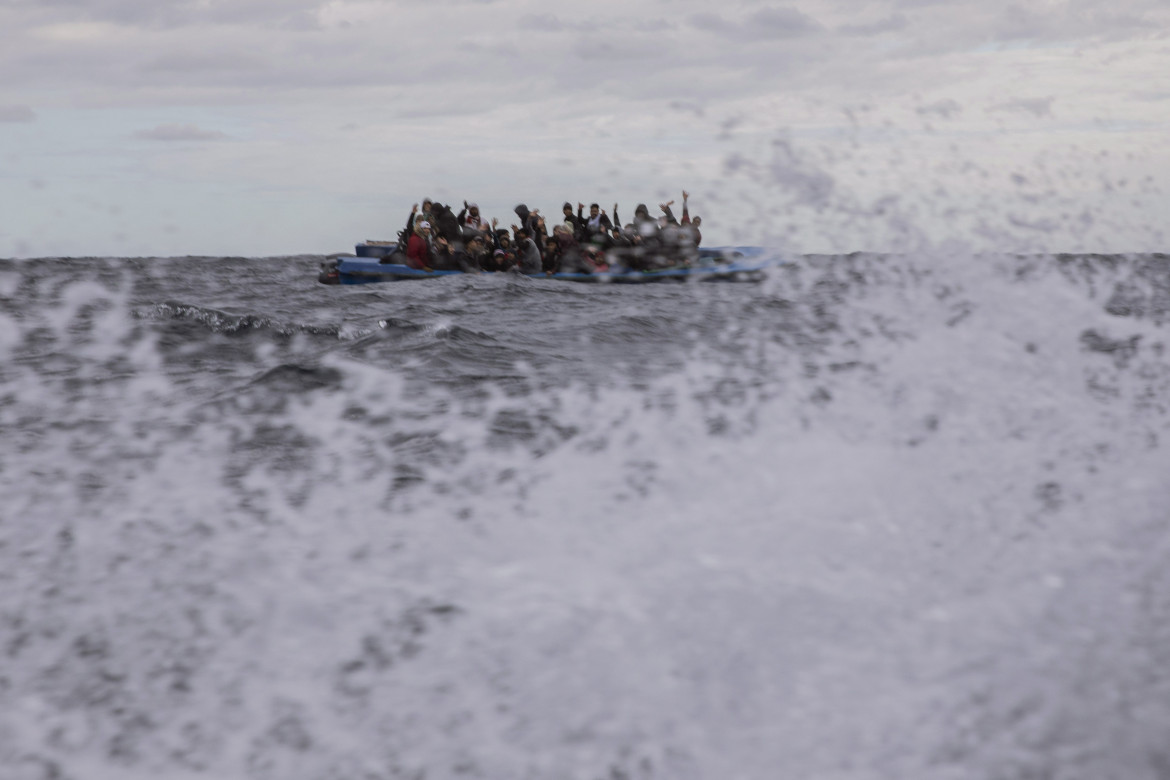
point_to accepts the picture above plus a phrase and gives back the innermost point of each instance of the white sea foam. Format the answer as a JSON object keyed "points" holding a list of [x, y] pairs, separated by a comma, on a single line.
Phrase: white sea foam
{"points": [[932, 548]]}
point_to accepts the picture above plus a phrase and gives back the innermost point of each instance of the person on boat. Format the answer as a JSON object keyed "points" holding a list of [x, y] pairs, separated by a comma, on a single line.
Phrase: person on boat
{"points": [[417, 216], [412, 223], [446, 223], [598, 221], [469, 217], [647, 240], [551, 261], [469, 258], [529, 221], [573, 221], [569, 258], [492, 261], [691, 226], [527, 254], [443, 255], [504, 253], [668, 215], [644, 224], [418, 249]]}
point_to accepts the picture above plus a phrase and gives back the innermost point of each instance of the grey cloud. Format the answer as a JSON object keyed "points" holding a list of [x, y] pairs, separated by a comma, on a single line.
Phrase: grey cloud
{"points": [[945, 108], [782, 22], [892, 23], [180, 62], [765, 24], [687, 106], [175, 132], [546, 23], [286, 14], [1039, 107], [17, 114]]}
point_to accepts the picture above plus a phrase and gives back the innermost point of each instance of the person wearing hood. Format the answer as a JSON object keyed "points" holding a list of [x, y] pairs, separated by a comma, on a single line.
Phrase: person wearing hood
{"points": [[446, 223], [570, 259], [418, 247], [530, 221], [469, 217]]}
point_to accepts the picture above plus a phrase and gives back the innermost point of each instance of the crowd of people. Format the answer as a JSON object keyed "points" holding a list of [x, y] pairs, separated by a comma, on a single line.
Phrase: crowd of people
{"points": [[436, 238]]}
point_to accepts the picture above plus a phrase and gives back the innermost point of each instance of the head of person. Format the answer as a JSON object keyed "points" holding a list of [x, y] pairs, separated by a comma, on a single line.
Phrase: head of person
{"points": [[697, 221], [505, 241], [473, 209], [594, 209], [642, 211], [475, 243], [423, 228], [567, 208], [427, 204], [521, 234]]}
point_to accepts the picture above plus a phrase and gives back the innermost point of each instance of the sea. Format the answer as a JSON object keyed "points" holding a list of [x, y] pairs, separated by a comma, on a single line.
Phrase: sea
{"points": [[874, 516]]}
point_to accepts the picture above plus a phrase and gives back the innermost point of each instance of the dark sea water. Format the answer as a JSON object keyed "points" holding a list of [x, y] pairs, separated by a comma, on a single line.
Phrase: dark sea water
{"points": [[872, 517]]}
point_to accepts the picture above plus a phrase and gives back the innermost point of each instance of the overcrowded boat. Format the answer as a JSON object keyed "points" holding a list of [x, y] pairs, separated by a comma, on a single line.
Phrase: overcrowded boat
{"points": [[583, 248]]}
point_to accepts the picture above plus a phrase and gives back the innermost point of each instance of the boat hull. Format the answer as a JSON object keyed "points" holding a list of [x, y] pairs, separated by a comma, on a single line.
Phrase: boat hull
{"points": [[719, 264]]}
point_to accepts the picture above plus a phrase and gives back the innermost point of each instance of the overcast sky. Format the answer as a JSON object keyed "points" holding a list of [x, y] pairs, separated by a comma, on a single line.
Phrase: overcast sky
{"points": [[264, 127]]}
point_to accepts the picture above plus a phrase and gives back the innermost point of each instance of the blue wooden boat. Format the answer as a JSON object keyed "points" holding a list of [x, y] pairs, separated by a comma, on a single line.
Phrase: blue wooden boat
{"points": [[740, 264]]}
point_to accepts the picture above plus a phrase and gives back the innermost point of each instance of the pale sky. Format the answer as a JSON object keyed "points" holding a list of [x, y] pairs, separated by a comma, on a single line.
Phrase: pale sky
{"points": [[267, 127]]}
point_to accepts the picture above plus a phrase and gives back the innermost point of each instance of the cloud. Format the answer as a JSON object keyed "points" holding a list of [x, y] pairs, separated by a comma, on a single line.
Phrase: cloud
{"points": [[893, 23], [181, 62], [17, 114], [765, 24], [547, 23], [174, 132], [945, 108], [1039, 107]]}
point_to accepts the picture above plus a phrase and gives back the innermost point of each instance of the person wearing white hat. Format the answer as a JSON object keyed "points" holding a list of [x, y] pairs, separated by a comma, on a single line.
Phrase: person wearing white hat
{"points": [[418, 249]]}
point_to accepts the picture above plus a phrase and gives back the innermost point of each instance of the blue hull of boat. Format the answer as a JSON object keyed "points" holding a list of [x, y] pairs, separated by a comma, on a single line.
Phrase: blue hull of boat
{"points": [[718, 264]]}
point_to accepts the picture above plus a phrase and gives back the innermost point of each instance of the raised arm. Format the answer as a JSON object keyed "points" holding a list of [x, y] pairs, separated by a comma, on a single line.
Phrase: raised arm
{"points": [[410, 220]]}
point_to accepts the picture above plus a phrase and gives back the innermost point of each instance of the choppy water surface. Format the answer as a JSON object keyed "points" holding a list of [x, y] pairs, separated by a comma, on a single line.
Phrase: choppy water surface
{"points": [[871, 518]]}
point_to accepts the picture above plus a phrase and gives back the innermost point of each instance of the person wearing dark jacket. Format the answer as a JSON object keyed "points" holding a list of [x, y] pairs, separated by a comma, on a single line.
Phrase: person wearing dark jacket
{"points": [[528, 220], [598, 221], [527, 254], [573, 221], [468, 258], [446, 223]]}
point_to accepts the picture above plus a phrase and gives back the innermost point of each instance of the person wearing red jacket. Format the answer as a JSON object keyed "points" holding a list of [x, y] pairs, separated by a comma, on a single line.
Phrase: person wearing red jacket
{"points": [[418, 247]]}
